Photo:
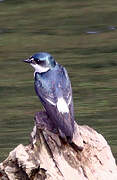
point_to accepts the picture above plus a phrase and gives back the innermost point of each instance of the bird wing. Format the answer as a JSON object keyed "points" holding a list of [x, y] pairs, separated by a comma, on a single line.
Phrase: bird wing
{"points": [[58, 85], [68, 97], [67, 88], [45, 90]]}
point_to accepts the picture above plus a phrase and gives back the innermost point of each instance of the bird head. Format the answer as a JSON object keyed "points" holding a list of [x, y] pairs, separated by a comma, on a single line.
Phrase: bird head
{"points": [[41, 62]]}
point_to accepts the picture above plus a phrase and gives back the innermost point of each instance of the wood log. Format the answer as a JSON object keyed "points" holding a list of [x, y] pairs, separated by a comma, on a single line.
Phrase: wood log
{"points": [[47, 157]]}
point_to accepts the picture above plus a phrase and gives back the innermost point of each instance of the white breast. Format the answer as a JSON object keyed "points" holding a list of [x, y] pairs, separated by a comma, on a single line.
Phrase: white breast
{"points": [[62, 105], [39, 68]]}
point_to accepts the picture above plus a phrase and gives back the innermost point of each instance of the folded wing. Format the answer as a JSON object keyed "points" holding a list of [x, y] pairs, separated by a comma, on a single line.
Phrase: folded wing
{"points": [[55, 93]]}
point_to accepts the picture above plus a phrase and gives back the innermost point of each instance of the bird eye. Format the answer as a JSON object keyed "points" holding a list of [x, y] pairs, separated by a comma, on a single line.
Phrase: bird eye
{"points": [[42, 63], [36, 60]]}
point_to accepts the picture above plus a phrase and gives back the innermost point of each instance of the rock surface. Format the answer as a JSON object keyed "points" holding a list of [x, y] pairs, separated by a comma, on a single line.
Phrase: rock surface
{"points": [[89, 157]]}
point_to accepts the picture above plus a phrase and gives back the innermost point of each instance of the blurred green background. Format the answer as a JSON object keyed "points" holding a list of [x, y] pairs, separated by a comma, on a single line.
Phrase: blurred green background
{"points": [[82, 36]]}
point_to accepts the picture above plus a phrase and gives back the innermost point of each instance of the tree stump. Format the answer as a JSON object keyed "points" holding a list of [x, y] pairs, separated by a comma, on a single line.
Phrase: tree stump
{"points": [[47, 157]]}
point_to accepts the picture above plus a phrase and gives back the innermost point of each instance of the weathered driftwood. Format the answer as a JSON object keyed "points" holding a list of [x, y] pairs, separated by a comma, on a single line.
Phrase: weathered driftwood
{"points": [[89, 157]]}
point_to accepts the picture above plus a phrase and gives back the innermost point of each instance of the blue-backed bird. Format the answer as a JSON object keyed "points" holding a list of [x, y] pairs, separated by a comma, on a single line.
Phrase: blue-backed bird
{"points": [[53, 87]]}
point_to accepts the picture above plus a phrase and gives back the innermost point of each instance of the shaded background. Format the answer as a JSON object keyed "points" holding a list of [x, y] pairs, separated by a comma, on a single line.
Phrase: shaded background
{"points": [[82, 36]]}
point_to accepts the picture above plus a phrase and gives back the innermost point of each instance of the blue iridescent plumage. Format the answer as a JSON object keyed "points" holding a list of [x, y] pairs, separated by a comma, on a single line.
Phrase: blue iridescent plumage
{"points": [[53, 87]]}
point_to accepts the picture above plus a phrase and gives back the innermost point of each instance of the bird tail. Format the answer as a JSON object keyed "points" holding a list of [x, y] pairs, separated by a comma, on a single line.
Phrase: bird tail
{"points": [[66, 133]]}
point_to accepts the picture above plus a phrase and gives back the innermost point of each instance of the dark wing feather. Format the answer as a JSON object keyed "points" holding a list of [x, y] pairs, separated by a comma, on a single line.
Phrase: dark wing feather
{"points": [[44, 89], [68, 91], [68, 97]]}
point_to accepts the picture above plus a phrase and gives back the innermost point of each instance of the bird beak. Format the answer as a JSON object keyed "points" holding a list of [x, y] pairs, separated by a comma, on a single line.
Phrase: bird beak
{"points": [[27, 60]]}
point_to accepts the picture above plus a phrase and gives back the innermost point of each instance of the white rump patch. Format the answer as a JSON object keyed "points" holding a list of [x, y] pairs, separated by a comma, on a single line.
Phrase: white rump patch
{"points": [[62, 105]]}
